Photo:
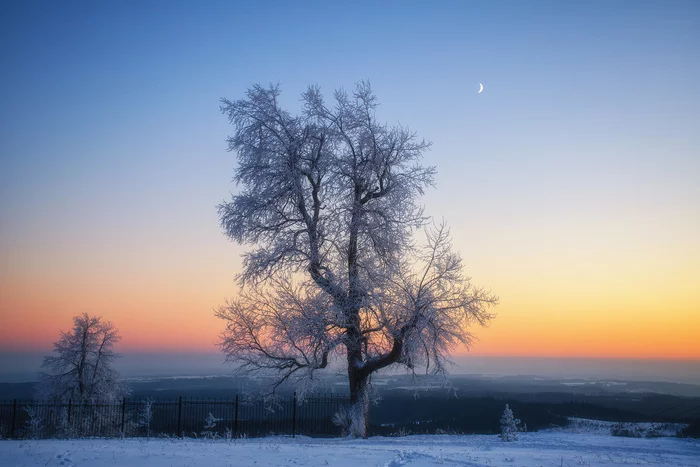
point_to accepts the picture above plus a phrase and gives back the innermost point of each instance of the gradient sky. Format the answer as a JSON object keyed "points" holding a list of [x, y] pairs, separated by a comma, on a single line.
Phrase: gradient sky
{"points": [[572, 183]]}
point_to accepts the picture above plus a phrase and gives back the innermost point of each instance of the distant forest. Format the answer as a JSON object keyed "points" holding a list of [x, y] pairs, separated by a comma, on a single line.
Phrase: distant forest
{"points": [[476, 408]]}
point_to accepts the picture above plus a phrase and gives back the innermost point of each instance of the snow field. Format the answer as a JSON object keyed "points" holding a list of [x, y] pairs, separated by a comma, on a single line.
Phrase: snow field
{"points": [[548, 448]]}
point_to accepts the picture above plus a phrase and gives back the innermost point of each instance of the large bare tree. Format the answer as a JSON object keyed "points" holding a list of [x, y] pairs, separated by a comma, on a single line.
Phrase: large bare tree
{"points": [[81, 368], [329, 200]]}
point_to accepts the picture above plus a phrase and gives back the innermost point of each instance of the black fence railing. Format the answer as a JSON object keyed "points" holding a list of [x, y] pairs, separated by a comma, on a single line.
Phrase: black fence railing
{"points": [[214, 418]]}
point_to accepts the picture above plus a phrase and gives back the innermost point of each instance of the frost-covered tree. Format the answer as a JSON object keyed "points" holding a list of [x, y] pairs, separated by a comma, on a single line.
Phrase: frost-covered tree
{"points": [[35, 425], [81, 369], [146, 415], [209, 425], [509, 425], [329, 201]]}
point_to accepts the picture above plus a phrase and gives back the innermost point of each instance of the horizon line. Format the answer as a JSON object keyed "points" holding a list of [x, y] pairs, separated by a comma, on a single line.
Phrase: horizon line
{"points": [[459, 355]]}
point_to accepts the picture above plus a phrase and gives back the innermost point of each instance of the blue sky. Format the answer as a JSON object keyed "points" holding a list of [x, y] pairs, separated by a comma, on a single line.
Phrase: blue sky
{"points": [[575, 174]]}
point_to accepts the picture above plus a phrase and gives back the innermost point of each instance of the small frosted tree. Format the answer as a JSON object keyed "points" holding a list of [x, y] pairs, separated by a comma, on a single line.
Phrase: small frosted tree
{"points": [[35, 425], [146, 415], [209, 425], [329, 202], [81, 369], [509, 425]]}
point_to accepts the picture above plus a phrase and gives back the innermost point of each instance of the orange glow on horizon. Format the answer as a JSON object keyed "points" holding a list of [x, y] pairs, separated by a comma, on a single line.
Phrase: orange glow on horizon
{"points": [[188, 324], [549, 315]]}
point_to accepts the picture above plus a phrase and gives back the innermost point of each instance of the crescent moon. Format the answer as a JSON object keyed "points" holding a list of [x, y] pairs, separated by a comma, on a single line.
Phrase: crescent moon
{"points": [[481, 88]]}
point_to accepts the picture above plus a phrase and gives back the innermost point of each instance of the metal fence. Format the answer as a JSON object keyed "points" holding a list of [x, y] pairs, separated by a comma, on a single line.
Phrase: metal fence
{"points": [[213, 418]]}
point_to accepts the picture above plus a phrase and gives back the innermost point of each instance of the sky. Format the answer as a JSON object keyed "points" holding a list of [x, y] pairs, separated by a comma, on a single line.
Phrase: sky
{"points": [[571, 183]]}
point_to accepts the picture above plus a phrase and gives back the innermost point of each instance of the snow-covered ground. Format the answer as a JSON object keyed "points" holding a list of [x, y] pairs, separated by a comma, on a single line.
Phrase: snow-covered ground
{"points": [[549, 448]]}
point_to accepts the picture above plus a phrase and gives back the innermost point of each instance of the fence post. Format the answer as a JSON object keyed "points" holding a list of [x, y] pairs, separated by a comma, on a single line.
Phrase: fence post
{"points": [[235, 420], [123, 415], [14, 419], [294, 414], [179, 417], [70, 406]]}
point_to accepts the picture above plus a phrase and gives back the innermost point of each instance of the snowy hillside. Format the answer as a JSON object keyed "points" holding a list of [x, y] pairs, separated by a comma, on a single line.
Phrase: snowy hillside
{"points": [[549, 448]]}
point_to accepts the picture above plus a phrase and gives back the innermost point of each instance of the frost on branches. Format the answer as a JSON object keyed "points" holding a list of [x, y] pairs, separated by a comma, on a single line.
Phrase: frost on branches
{"points": [[81, 369], [145, 415], [509, 425], [209, 425], [343, 263]]}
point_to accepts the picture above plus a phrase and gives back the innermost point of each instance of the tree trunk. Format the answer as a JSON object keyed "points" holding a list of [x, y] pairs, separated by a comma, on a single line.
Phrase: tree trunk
{"points": [[357, 379], [359, 400]]}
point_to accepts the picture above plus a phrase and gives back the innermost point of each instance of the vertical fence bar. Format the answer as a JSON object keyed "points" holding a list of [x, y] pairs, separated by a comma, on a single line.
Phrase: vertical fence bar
{"points": [[294, 414], [70, 406], [186, 415], [179, 418], [290, 411], [232, 412], [235, 420], [123, 415], [14, 419]]}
